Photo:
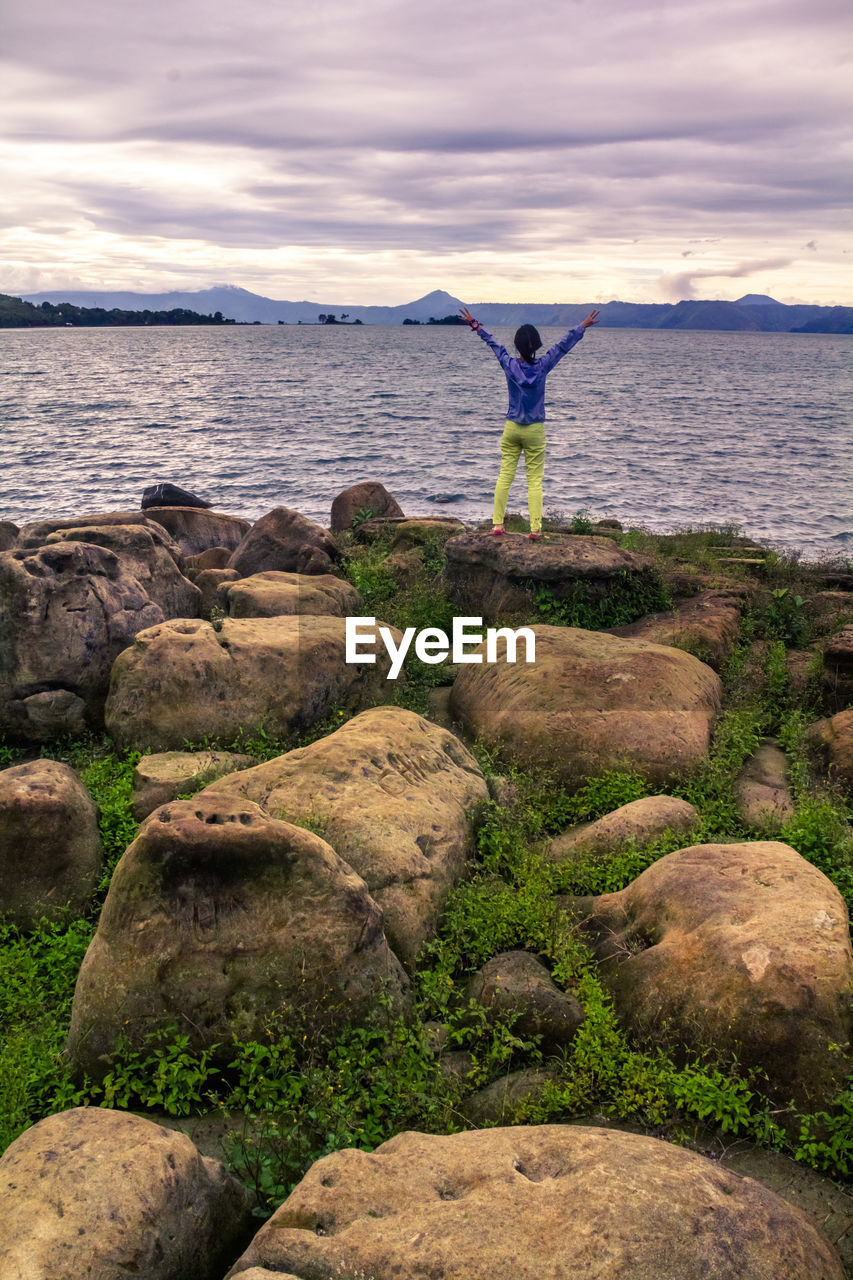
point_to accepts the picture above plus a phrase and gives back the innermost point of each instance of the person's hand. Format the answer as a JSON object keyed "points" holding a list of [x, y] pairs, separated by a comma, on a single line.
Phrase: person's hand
{"points": [[469, 319], [592, 318]]}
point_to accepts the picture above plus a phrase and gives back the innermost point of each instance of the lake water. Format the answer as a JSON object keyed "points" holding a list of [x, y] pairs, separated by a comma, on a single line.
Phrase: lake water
{"points": [[662, 429]]}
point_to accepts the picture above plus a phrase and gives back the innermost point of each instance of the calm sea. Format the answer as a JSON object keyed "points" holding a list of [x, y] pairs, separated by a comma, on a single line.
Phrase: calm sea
{"points": [[659, 429]]}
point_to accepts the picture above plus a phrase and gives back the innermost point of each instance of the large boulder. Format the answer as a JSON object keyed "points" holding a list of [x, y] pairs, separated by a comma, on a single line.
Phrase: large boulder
{"points": [[103, 1194], [165, 775], [534, 1203], [496, 578], [742, 946], [147, 554], [274, 594], [592, 702], [220, 918], [834, 739], [192, 529], [370, 496], [50, 845], [392, 794], [640, 822], [707, 624], [188, 681], [66, 612], [285, 540]]}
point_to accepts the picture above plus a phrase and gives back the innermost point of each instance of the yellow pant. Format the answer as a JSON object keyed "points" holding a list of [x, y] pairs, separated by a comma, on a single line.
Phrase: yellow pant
{"points": [[529, 440]]}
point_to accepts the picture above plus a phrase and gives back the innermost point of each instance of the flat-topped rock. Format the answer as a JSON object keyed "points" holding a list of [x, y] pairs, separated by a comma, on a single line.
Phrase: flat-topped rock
{"points": [[763, 795], [742, 946], [592, 702], [163, 776], [546, 1202], [188, 681], [492, 576], [707, 624], [193, 529], [275, 594]]}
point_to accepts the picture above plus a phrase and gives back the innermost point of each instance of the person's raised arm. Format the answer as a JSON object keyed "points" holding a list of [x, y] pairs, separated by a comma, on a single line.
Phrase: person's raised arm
{"points": [[571, 339], [501, 354]]}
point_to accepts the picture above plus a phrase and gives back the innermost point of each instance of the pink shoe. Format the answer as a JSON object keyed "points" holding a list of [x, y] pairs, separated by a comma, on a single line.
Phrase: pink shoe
{"points": [[498, 531], [534, 537]]}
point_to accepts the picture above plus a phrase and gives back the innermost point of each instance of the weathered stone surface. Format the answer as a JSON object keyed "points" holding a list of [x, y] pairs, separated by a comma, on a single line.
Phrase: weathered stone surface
{"points": [[191, 528], [101, 1194], [516, 982], [707, 624], [370, 496], [66, 612], [219, 917], [208, 582], [641, 821], [274, 594], [495, 577], [285, 540], [504, 1100], [391, 793], [54, 713], [184, 681], [424, 530], [535, 1203], [834, 739], [763, 795], [592, 702], [162, 777], [838, 669], [741, 946], [50, 846], [212, 558], [8, 535], [405, 566], [146, 554]]}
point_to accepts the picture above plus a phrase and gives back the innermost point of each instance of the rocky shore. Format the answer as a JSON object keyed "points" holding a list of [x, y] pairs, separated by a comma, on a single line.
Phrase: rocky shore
{"points": [[483, 971]]}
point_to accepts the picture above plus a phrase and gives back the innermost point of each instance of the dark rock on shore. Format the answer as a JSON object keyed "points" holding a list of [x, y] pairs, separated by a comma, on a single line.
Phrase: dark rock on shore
{"points": [[285, 540], [171, 495], [370, 496]]}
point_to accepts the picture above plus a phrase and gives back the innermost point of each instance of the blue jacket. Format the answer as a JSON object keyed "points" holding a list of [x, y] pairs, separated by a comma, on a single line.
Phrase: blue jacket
{"points": [[526, 382]]}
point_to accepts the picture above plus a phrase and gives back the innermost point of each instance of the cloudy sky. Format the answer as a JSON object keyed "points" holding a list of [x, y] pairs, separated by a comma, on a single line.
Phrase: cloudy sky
{"points": [[372, 150]]}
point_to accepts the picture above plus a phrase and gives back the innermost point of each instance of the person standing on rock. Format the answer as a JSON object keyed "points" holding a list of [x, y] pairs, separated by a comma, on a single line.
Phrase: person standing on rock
{"points": [[525, 424]]}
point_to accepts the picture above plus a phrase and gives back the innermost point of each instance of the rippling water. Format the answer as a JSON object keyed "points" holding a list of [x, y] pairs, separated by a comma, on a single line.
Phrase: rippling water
{"points": [[655, 428]]}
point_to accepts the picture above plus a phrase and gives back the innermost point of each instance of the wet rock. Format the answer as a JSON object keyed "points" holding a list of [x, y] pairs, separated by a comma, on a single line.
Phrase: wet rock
{"points": [[392, 794], [535, 1203], [185, 681], [707, 625], [147, 555], [219, 918], [496, 577], [641, 821], [66, 612], [102, 1194], [741, 946], [285, 540], [515, 982], [763, 795], [50, 845], [275, 594], [592, 702], [370, 496], [162, 777], [171, 495]]}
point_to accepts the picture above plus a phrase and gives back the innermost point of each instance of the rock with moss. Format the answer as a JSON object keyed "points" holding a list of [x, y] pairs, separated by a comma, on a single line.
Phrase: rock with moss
{"points": [[516, 983], [395, 796], [526, 1203], [8, 535], [191, 529], [66, 612], [50, 845], [495, 578], [193, 681], [508, 1098], [275, 594], [639, 822], [221, 920], [165, 775], [592, 702], [838, 669], [102, 1194], [707, 625], [745, 947], [762, 790]]}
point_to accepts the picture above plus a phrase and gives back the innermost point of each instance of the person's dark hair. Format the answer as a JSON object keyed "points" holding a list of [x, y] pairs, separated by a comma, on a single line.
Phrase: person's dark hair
{"points": [[527, 342]]}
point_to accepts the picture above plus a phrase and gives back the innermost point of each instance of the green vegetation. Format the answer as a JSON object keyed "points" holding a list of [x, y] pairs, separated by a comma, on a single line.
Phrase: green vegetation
{"points": [[293, 1096], [16, 314]]}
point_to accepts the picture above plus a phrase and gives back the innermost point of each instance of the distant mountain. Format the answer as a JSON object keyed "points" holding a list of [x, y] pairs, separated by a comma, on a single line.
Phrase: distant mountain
{"points": [[754, 311]]}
